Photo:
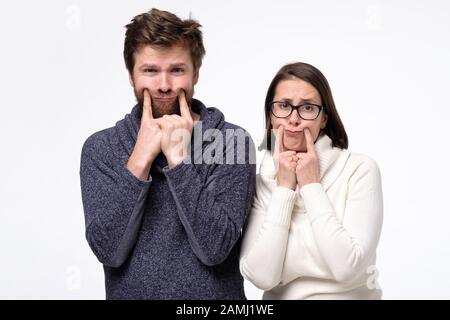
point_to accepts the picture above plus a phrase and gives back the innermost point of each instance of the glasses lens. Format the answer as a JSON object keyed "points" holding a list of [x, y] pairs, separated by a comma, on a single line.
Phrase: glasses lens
{"points": [[309, 111], [281, 109]]}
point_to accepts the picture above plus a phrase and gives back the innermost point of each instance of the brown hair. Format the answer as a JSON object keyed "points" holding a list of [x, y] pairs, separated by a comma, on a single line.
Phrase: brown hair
{"points": [[162, 28], [334, 127]]}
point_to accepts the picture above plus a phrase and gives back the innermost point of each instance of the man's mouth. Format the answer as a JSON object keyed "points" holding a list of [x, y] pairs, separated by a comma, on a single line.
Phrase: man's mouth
{"points": [[164, 98]]}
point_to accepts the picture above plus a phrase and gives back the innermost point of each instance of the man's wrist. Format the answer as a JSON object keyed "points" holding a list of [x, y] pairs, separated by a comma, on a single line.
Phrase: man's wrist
{"points": [[139, 169], [174, 162]]}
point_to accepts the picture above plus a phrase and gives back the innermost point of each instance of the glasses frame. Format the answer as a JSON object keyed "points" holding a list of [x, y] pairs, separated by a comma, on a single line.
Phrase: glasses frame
{"points": [[295, 108]]}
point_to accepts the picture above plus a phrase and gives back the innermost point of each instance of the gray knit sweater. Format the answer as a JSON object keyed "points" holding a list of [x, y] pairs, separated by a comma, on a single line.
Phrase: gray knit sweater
{"points": [[175, 236]]}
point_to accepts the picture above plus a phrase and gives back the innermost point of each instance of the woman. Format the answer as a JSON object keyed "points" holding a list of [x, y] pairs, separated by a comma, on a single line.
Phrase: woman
{"points": [[318, 210]]}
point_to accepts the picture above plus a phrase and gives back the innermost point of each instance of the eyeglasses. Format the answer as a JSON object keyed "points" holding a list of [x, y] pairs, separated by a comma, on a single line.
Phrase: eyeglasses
{"points": [[283, 109]]}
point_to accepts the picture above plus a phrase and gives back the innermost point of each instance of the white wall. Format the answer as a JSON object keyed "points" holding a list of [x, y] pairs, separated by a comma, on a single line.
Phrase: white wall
{"points": [[63, 78]]}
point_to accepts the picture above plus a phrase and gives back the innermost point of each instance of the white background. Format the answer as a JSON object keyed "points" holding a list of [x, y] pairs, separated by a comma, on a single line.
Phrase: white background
{"points": [[63, 78]]}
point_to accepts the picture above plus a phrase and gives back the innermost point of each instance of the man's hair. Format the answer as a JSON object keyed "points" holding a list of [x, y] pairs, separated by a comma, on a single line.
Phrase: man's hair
{"points": [[162, 29]]}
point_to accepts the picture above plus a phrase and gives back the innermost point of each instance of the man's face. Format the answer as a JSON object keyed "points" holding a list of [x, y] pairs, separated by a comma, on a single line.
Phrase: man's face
{"points": [[164, 72]]}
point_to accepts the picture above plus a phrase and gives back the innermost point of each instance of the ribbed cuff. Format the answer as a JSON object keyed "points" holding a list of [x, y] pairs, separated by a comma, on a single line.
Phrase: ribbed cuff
{"points": [[315, 199], [281, 205], [131, 178]]}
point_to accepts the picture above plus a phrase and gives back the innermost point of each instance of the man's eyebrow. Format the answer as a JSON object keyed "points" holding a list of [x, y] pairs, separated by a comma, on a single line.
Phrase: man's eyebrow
{"points": [[178, 64], [147, 65], [172, 65]]}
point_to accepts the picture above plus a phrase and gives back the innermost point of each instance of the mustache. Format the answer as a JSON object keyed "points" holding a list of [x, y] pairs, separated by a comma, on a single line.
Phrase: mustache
{"points": [[164, 95], [140, 99], [159, 107]]}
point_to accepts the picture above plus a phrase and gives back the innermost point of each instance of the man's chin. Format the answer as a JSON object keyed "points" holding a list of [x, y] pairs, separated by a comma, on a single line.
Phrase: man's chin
{"points": [[161, 108]]}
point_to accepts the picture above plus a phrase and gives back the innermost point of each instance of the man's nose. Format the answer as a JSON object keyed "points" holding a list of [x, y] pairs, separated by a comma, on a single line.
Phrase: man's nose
{"points": [[165, 83]]}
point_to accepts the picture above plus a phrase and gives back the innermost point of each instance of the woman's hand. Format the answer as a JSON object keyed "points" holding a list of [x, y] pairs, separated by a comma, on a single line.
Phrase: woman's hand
{"points": [[308, 169], [286, 162]]}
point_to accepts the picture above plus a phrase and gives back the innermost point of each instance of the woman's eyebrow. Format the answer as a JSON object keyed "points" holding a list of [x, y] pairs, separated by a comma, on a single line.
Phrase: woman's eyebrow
{"points": [[308, 100]]}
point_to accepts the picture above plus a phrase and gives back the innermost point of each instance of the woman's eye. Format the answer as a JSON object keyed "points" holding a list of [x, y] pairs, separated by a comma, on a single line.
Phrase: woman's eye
{"points": [[284, 105]]}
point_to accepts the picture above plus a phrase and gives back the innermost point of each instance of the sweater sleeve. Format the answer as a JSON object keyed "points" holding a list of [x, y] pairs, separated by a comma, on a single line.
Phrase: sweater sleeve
{"points": [[347, 246], [265, 239], [113, 202], [213, 207]]}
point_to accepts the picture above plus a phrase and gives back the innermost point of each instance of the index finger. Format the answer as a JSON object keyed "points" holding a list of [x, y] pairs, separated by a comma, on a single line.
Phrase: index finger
{"points": [[184, 108], [279, 145], [309, 142], [147, 111]]}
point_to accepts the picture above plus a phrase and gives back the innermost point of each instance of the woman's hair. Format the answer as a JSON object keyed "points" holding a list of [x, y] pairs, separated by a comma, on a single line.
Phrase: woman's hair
{"points": [[162, 28], [334, 127]]}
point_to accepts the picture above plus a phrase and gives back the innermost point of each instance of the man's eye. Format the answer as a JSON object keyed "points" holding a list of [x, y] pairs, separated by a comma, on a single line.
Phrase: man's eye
{"points": [[150, 70], [177, 70]]}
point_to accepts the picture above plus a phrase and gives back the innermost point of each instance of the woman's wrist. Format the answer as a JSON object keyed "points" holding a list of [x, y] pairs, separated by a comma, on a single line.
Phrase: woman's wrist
{"points": [[286, 184]]}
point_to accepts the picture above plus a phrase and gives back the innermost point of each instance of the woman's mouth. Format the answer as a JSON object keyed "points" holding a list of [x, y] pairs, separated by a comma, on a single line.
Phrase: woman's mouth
{"points": [[293, 133]]}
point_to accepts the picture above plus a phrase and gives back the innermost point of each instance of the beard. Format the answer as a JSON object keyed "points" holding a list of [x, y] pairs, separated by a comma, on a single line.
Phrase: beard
{"points": [[160, 108]]}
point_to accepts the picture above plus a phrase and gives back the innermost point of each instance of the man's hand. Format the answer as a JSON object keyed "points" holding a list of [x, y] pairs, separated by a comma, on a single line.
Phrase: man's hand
{"points": [[148, 142], [308, 169], [285, 161], [176, 133]]}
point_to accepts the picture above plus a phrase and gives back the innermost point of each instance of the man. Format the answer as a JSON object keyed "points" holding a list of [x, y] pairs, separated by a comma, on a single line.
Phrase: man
{"points": [[165, 223]]}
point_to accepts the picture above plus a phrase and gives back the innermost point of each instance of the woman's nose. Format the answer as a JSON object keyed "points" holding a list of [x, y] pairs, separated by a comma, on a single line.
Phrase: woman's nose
{"points": [[294, 119]]}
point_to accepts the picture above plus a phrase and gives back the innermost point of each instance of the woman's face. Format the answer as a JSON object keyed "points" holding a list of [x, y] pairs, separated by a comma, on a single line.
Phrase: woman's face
{"points": [[297, 92]]}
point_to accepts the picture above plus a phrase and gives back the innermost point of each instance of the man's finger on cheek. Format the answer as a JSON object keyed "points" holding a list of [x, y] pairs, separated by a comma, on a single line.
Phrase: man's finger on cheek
{"points": [[147, 105], [184, 108]]}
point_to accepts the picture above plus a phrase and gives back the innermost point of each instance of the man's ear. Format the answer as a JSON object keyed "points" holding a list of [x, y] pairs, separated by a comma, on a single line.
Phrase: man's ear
{"points": [[196, 75], [130, 77]]}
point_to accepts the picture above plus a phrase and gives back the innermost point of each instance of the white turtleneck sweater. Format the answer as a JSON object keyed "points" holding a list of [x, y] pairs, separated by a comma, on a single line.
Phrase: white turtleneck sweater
{"points": [[318, 242]]}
